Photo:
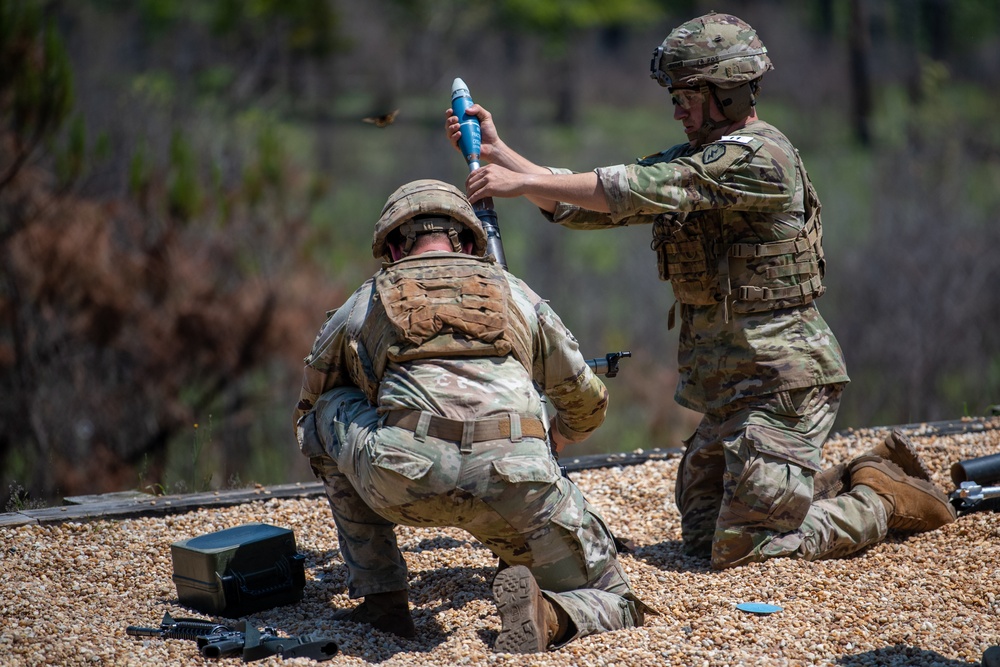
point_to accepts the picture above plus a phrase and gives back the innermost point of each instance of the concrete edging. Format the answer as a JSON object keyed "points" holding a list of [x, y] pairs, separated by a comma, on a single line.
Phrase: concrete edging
{"points": [[123, 505]]}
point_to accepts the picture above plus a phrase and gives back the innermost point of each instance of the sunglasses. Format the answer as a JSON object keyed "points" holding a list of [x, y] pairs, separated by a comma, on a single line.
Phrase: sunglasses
{"points": [[685, 98]]}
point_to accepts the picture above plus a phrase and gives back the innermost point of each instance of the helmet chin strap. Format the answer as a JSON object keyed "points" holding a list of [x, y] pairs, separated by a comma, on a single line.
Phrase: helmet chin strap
{"points": [[708, 126], [738, 105]]}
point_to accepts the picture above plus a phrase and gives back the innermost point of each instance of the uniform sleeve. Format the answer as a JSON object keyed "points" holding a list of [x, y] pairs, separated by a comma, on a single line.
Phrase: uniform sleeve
{"points": [[326, 366], [578, 395], [736, 173], [725, 175], [574, 217]]}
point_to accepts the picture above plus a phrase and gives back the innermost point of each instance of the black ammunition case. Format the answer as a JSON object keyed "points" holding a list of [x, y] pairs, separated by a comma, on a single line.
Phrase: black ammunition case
{"points": [[238, 571]]}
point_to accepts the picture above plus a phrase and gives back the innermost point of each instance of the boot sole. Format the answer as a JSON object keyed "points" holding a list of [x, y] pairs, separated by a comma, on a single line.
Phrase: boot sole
{"points": [[515, 592], [906, 457]]}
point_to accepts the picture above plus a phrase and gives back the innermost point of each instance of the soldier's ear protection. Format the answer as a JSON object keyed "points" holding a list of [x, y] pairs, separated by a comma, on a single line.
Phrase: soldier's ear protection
{"points": [[736, 103]]}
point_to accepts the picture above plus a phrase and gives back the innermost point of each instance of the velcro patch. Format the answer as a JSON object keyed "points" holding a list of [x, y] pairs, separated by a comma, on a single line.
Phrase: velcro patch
{"points": [[712, 153]]}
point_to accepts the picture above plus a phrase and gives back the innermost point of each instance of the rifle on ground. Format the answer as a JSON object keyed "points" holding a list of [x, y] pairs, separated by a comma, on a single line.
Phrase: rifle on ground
{"points": [[215, 640], [973, 480]]}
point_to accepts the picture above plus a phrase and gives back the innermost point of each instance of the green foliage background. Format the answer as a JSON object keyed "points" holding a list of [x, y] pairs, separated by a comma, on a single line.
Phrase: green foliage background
{"points": [[237, 128]]}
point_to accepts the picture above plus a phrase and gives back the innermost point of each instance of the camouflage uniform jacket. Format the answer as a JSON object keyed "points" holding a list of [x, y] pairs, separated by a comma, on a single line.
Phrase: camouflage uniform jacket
{"points": [[466, 387], [747, 188]]}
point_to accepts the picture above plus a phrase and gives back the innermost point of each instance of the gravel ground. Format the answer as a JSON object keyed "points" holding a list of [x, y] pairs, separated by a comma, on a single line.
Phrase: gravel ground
{"points": [[69, 589]]}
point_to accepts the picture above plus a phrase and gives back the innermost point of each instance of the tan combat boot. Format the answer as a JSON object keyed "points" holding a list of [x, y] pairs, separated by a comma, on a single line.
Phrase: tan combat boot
{"points": [[911, 504], [530, 623], [896, 448], [388, 612]]}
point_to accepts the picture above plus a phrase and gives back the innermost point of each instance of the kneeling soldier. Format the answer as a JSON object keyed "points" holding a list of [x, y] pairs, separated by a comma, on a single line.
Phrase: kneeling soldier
{"points": [[419, 407]]}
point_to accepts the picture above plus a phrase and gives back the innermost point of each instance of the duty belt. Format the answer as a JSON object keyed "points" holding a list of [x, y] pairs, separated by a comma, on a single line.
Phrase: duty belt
{"points": [[510, 427]]}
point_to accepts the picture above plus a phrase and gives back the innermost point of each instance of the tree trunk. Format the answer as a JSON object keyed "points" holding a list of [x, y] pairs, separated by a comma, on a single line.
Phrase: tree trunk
{"points": [[860, 74]]}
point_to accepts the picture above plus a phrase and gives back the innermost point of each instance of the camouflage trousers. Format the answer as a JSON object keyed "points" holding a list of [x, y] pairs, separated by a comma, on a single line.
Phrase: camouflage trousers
{"points": [[509, 495], [745, 487]]}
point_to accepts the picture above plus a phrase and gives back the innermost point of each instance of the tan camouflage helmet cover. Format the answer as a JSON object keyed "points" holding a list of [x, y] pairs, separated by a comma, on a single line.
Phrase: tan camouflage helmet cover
{"points": [[439, 206], [719, 49]]}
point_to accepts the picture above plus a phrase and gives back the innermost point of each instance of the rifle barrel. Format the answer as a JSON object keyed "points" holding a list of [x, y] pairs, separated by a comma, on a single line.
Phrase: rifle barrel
{"points": [[136, 631]]}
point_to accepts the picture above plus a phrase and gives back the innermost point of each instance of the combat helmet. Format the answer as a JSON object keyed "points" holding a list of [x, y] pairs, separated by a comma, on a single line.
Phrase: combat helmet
{"points": [[423, 206], [717, 52]]}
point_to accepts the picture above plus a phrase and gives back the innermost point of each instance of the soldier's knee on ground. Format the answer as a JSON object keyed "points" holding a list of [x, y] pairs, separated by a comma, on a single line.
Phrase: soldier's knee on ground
{"points": [[735, 550], [772, 494], [771, 497]]}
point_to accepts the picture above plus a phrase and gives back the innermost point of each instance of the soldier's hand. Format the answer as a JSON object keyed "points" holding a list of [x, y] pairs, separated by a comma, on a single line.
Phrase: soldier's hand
{"points": [[557, 439], [494, 181], [487, 130]]}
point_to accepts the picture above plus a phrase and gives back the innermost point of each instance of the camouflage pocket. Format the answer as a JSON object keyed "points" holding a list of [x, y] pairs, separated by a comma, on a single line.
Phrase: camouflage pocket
{"points": [[774, 490], [591, 537], [796, 403], [783, 444], [403, 462], [521, 469], [771, 494]]}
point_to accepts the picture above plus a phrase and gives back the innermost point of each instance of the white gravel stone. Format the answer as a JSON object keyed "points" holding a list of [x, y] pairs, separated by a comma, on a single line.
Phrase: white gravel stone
{"points": [[69, 589]]}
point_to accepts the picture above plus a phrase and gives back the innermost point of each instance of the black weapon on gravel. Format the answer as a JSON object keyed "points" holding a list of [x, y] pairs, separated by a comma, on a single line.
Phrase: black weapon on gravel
{"points": [[215, 640], [976, 484]]}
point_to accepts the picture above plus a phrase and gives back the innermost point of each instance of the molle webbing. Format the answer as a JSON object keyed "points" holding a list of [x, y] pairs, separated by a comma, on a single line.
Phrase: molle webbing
{"points": [[801, 293], [443, 306], [809, 237], [769, 289], [705, 267]]}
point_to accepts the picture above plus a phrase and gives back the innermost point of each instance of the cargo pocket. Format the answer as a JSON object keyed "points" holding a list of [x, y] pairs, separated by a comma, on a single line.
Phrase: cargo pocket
{"points": [[775, 488], [797, 403], [590, 536], [526, 469], [403, 462]]}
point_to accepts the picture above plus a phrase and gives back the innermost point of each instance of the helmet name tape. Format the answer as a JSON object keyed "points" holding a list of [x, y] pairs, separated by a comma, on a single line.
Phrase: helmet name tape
{"points": [[711, 60]]}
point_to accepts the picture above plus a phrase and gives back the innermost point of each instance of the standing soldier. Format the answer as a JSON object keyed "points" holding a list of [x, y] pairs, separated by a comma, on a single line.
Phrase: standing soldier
{"points": [[737, 232], [419, 407]]}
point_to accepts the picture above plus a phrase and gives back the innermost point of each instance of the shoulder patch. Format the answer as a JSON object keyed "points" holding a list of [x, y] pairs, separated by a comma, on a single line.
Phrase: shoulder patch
{"points": [[712, 153], [737, 139]]}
